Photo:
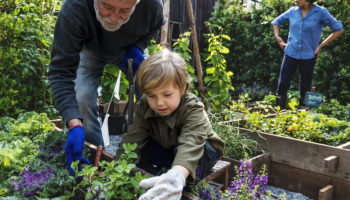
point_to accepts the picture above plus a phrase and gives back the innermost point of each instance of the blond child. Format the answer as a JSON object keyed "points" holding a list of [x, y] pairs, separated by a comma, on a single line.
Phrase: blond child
{"points": [[171, 128]]}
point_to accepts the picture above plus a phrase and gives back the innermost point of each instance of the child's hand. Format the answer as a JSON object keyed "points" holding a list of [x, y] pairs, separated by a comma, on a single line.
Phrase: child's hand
{"points": [[168, 186]]}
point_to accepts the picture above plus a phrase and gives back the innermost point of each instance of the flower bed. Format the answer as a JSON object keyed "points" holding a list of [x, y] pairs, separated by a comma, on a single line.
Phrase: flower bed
{"points": [[32, 158]]}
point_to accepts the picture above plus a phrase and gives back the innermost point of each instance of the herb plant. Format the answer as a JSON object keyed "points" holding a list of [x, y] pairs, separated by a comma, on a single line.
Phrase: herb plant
{"points": [[244, 186], [111, 180], [237, 145]]}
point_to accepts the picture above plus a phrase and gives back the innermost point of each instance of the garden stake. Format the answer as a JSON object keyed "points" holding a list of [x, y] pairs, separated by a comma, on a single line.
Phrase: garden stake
{"points": [[98, 156]]}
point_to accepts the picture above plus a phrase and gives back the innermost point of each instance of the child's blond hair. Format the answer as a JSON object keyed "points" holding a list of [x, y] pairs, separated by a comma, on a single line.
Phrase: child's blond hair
{"points": [[161, 68]]}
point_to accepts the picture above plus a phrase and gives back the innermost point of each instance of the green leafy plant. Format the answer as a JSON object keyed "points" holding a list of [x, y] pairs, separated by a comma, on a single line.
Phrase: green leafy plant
{"points": [[32, 161], [181, 46], [112, 180], [334, 109], [217, 79], [26, 36], [153, 47], [237, 146], [303, 125], [108, 81]]}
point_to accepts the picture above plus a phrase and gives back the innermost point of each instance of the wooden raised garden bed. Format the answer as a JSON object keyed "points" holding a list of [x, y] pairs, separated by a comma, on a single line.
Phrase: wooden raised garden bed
{"points": [[315, 170], [220, 170]]}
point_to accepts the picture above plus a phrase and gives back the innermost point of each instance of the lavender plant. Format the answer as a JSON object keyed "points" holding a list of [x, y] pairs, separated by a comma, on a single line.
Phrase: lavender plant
{"points": [[245, 186]]}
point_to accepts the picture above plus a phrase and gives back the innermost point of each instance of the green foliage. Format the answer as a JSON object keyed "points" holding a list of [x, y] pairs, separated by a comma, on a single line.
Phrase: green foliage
{"points": [[51, 156], [108, 81], [114, 180], [256, 57], [20, 141], [237, 146], [332, 70], [181, 47], [26, 35], [153, 47], [333, 108], [217, 79], [303, 125]]}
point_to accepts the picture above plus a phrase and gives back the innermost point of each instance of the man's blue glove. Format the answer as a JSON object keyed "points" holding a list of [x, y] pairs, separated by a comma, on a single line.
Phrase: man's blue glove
{"points": [[137, 55], [74, 148]]}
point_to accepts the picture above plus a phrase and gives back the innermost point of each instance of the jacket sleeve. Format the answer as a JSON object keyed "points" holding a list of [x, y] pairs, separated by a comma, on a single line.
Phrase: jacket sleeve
{"points": [[138, 132], [157, 20], [195, 128], [67, 44]]}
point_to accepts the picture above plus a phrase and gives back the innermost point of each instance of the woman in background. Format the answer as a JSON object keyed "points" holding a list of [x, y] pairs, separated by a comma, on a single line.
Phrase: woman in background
{"points": [[306, 21]]}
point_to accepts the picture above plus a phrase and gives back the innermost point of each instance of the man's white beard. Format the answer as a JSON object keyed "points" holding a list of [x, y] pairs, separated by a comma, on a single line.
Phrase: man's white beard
{"points": [[106, 22]]}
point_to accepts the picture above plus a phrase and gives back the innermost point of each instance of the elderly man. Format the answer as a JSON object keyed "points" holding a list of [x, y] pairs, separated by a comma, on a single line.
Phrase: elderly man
{"points": [[90, 34]]}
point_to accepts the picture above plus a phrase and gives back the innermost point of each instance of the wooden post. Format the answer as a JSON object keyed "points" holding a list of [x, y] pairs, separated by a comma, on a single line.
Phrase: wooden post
{"points": [[164, 36], [330, 164], [196, 50], [326, 193]]}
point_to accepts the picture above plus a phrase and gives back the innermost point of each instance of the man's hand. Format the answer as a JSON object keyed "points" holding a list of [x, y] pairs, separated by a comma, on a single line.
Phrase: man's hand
{"points": [[168, 186], [137, 55], [74, 147]]}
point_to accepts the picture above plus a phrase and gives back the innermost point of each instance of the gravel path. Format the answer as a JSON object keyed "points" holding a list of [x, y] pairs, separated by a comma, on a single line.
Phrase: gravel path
{"points": [[114, 141], [289, 195]]}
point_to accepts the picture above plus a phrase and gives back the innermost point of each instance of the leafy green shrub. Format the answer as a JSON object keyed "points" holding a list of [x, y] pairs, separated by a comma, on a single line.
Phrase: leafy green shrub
{"points": [[26, 34], [217, 80], [333, 108]]}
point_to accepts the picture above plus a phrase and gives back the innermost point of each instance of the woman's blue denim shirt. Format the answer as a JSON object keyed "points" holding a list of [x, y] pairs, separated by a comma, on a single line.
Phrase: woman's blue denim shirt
{"points": [[304, 34]]}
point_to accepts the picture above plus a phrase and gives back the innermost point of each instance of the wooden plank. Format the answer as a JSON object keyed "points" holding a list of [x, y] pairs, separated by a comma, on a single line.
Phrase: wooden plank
{"points": [[302, 154], [306, 182], [220, 168], [326, 193], [58, 123], [345, 146], [330, 164]]}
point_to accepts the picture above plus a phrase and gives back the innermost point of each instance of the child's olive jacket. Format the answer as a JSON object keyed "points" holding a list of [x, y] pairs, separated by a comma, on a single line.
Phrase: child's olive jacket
{"points": [[188, 127]]}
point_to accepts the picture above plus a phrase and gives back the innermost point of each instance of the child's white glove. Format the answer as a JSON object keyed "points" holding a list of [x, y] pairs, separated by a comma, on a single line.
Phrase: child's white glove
{"points": [[168, 186]]}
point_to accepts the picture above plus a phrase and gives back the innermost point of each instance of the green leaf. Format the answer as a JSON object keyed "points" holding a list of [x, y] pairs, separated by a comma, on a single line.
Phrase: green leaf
{"points": [[210, 70]]}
